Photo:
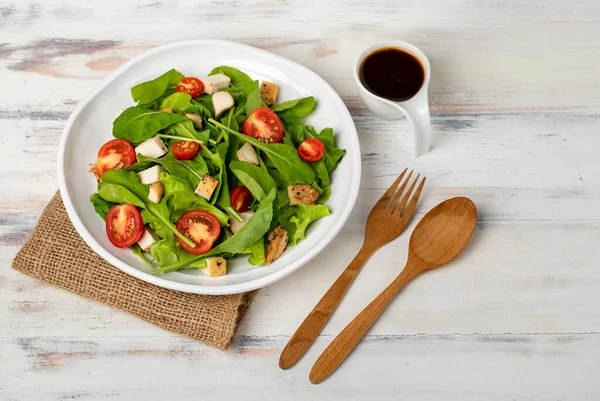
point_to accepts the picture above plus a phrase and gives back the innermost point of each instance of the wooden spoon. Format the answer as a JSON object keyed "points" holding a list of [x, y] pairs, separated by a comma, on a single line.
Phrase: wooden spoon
{"points": [[438, 238]]}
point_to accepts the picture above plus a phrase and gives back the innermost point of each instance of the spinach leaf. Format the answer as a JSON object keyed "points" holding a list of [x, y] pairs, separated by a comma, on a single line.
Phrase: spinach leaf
{"points": [[137, 124], [178, 101], [256, 179], [294, 110], [254, 100], [284, 157], [203, 106], [149, 91], [238, 78], [189, 170], [182, 197], [185, 129], [128, 180], [101, 206], [115, 193], [137, 250], [296, 220]]}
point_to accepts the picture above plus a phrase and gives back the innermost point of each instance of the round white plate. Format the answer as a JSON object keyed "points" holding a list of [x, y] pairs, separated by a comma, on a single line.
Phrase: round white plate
{"points": [[90, 126]]}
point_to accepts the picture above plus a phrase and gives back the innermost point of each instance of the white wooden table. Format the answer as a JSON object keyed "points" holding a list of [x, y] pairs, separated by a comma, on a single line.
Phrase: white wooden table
{"points": [[515, 106]]}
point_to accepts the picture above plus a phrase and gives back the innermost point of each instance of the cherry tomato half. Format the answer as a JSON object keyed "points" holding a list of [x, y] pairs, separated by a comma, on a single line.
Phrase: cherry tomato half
{"points": [[264, 125], [240, 198], [124, 225], [311, 150], [190, 85], [201, 227], [185, 150], [116, 153]]}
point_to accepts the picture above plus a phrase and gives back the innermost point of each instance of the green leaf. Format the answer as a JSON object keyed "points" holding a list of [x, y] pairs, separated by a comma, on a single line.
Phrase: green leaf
{"points": [[294, 110], [284, 157], [190, 171], [238, 78], [137, 250], [182, 197], [101, 206], [296, 220], [149, 91], [333, 156], [137, 124], [118, 194], [178, 101], [257, 251], [254, 101], [127, 179], [256, 179]]}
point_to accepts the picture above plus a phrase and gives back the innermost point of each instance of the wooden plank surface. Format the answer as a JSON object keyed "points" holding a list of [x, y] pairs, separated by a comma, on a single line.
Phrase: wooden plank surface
{"points": [[514, 97]]}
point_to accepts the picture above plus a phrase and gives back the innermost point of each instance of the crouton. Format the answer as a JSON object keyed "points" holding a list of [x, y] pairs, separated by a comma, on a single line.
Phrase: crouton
{"points": [[276, 243], [215, 267], [302, 193], [268, 92], [166, 110]]}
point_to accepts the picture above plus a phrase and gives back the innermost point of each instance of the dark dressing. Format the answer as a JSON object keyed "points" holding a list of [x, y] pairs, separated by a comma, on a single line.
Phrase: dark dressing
{"points": [[392, 73]]}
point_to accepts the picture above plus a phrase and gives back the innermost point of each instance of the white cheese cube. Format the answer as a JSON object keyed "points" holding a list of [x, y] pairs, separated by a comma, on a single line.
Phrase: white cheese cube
{"points": [[215, 83], [222, 101], [235, 225], [215, 267], [207, 186], [156, 192], [146, 241], [153, 147], [150, 175], [247, 154]]}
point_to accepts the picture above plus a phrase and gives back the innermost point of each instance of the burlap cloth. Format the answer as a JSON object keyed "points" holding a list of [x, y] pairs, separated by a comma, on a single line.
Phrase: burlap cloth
{"points": [[56, 254]]}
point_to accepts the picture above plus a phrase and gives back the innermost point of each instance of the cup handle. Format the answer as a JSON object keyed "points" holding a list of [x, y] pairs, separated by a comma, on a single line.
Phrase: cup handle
{"points": [[417, 112]]}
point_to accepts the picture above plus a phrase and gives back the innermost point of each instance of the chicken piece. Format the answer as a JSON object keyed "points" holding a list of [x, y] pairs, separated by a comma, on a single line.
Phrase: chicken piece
{"points": [[235, 225], [276, 243], [156, 192], [268, 92], [222, 101], [214, 83], [196, 119], [206, 186], [153, 147], [247, 154], [146, 241], [302, 193], [215, 267], [150, 175]]}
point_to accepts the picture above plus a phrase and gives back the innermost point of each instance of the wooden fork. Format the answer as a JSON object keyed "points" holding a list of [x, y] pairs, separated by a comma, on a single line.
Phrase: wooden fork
{"points": [[386, 221]]}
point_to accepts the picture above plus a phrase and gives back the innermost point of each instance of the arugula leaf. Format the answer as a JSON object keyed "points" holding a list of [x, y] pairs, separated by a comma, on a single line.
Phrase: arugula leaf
{"points": [[296, 220], [149, 91], [182, 197], [294, 110], [137, 124], [238, 78], [254, 100], [256, 179], [137, 250], [178, 101], [189, 170], [284, 157], [203, 106], [101, 206]]}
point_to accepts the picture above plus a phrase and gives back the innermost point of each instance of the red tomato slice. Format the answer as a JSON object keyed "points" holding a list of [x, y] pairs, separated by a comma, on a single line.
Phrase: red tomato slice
{"points": [[190, 85], [240, 198], [264, 125], [124, 225], [311, 150], [201, 227], [185, 150], [116, 153]]}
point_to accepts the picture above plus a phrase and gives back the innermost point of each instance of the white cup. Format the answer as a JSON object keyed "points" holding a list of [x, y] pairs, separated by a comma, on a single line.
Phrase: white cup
{"points": [[416, 109]]}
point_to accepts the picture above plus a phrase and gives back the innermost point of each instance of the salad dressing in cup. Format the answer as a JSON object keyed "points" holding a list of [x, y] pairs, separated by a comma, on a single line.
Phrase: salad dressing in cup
{"points": [[393, 78]]}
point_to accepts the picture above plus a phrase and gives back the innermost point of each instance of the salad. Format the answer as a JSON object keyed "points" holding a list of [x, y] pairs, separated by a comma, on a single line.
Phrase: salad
{"points": [[204, 170]]}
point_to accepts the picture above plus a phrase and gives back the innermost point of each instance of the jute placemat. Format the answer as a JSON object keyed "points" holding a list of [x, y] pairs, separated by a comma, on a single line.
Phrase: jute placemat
{"points": [[56, 254]]}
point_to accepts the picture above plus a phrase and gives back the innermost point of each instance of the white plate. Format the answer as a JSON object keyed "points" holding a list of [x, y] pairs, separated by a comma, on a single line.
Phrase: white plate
{"points": [[90, 126]]}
